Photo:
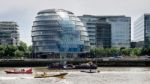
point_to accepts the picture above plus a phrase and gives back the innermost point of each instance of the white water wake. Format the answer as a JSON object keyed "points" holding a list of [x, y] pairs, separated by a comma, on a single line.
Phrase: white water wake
{"points": [[13, 78]]}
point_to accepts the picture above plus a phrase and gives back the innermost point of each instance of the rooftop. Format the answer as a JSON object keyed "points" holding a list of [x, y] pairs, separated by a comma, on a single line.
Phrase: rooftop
{"points": [[53, 11], [106, 16], [8, 23]]}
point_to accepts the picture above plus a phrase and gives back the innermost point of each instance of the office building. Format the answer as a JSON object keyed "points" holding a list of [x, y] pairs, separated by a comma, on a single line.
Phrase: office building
{"points": [[120, 29], [59, 31], [90, 24], [103, 35], [9, 34], [142, 31]]}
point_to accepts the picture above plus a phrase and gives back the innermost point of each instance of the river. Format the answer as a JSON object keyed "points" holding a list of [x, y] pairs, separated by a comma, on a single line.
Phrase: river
{"points": [[107, 75]]}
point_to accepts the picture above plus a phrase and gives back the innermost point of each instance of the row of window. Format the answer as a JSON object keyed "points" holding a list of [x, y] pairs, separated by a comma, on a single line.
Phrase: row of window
{"points": [[45, 33], [38, 38], [46, 29]]}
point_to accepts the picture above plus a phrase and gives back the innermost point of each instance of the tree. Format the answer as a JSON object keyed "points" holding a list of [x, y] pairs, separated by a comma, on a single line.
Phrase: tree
{"points": [[145, 51], [136, 52], [101, 52], [2, 50], [96, 51], [19, 54], [22, 46], [114, 51], [126, 51], [10, 51], [29, 51]]}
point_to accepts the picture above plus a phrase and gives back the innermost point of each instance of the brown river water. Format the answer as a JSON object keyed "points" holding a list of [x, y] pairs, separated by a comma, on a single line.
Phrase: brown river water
{"points": [[107, 75]]}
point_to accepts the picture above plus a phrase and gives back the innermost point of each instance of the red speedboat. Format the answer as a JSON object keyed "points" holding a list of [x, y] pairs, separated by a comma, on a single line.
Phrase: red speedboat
{"points": [[22, 71]]}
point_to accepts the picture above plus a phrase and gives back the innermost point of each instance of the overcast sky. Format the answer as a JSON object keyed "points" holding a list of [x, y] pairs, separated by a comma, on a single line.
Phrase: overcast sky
{"points": [[24, 11]]}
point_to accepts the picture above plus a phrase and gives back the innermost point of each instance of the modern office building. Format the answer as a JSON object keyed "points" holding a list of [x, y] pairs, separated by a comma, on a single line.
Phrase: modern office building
{"points": [[59, 31], [103, 35], [90, 24], [142, 31], [120, 29], [9, 34]]}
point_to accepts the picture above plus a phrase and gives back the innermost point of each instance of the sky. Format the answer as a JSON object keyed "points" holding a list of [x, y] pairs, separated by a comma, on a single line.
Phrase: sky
{"points": [[24, 11]]}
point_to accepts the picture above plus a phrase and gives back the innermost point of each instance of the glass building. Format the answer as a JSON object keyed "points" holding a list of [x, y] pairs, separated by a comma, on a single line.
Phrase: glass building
{"points": [[9, 34], [90, 24], [59, 31], [103, 35], [120, 29], [142, 31]]}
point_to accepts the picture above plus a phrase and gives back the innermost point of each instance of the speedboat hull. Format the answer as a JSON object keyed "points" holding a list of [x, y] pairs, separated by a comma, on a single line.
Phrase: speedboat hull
{"points": [[61, 75]]}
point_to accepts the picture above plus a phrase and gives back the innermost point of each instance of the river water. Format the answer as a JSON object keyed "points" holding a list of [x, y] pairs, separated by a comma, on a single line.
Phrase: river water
{"points": [[107, 75]]}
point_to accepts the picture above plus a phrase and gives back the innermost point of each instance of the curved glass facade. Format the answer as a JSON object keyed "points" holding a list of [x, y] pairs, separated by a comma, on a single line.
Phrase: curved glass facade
{"points": [[59, 31]]}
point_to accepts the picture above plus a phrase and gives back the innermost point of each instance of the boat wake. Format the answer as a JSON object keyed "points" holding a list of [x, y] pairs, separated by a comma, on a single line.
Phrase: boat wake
{"points": [[13, 78], [7, 78]]}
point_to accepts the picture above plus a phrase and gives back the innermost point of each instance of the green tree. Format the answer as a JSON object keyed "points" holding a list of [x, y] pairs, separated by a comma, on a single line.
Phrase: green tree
{"points": [[19, 54], [22, 46], [13, 51], [126, 51], [101, 52], [10, 51], [145, 51], [2, 50], [29, 51], [114, 51], [136, 52], [22, 49]]}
